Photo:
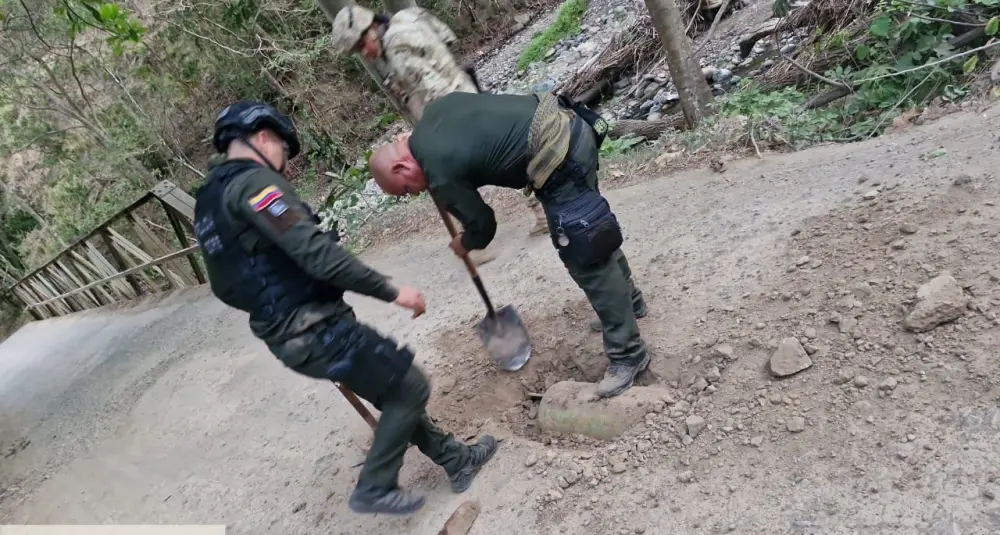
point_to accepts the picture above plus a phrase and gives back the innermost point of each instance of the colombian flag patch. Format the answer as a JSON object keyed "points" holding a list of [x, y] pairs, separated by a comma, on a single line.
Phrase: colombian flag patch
{"points": [[266, 196]]}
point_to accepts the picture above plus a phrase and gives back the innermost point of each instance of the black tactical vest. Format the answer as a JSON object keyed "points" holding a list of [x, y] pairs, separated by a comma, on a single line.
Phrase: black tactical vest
{"points": [[265, 282]]}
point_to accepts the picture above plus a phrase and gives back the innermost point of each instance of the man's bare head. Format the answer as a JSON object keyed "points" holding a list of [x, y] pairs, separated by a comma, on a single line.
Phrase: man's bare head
{"points": [[395, 170]]}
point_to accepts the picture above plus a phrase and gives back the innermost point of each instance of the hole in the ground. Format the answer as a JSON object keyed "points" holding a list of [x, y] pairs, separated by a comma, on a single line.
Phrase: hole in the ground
{"points": [[471, 393]]}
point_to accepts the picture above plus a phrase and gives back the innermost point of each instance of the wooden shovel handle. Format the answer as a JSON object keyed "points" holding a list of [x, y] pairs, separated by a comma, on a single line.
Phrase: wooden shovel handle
{"points": [[352, 398], [490, 311], [454, 232]]}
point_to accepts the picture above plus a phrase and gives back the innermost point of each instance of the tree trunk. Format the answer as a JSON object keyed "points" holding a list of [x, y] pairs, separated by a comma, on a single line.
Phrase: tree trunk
{"points": [[376, 69], [647, 129], [685, 71]]}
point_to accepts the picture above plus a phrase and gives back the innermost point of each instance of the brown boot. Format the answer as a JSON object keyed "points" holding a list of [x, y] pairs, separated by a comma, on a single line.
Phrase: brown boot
{"points": [[481, 256], [541, 224], [541, 227]]}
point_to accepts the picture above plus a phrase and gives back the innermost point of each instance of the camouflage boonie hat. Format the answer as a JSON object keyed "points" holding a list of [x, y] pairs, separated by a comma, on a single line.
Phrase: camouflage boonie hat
{"points": [[348, 27]]}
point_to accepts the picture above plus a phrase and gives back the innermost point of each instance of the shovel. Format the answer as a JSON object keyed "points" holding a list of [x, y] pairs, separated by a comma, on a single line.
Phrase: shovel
{"points": [[501, 331]]}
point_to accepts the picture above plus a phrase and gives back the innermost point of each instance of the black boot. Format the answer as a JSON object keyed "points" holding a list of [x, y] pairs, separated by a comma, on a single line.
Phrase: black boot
{"points": [[479, 454], [393, 502]]}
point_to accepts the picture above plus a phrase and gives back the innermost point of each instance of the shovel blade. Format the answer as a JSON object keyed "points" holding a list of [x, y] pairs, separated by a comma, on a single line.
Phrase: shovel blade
{"points": [[506, 339]]}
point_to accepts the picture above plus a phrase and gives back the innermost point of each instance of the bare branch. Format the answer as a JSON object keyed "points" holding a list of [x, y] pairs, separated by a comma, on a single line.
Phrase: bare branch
{"points": [[210, 40], [969, 52], [36, 139], [711, 29], [79, 84], [34, 28]]}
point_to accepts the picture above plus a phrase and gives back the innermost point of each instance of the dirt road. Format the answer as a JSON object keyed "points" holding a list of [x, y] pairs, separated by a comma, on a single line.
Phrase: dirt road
{"points": [[174, 414]]}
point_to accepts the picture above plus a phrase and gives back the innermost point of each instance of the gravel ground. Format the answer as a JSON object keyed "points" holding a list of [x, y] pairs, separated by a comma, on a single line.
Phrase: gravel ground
{"points": [[814, 261]]}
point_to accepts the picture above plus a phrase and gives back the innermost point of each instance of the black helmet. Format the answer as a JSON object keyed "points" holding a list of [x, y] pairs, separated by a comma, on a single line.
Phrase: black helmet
{"points": [[246, 117]]}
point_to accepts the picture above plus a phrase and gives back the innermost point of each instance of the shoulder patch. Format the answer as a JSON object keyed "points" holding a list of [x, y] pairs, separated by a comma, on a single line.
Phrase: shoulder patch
{"points": [[601, 127], [265, 198]]}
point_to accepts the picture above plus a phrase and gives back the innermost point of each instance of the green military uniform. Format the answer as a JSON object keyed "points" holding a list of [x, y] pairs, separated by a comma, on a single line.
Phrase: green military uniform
{"points": [[466, 141], [306, 340]]}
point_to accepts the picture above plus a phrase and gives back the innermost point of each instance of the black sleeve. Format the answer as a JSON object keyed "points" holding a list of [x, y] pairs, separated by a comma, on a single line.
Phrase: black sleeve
{"points": [[478, 221], [471, 71], [269, 205]]}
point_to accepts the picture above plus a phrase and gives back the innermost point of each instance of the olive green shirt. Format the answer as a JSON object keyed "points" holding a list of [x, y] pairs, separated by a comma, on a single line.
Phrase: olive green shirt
{"points": [[295, 233], [468, 140]]}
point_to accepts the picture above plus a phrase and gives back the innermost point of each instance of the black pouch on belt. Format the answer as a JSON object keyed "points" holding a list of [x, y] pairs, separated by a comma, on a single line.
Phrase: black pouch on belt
{"points": [[586, 231], [365, 361]]}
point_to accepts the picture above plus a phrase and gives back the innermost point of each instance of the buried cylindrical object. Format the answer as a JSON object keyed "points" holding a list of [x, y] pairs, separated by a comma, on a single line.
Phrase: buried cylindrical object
{"points": [[569, 407]]}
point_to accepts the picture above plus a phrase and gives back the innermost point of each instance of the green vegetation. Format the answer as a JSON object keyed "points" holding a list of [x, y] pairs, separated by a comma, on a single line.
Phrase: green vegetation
{"points": [[567, 23]]}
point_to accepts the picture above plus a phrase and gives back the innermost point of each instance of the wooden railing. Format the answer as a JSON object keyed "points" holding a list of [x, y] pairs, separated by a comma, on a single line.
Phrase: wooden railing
{"points": [[108, 265]]}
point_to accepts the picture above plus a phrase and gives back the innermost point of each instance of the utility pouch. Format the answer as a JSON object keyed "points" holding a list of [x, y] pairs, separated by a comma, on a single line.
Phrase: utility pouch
{"points": [[585, 230], [594, 119], [363, 360]]}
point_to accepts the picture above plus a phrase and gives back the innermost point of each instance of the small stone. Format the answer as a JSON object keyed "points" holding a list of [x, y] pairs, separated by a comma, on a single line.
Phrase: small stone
{"points": [[796, 424], [861, 381], [298, 507], [940, 300], [810, 333], [898, 245], [695, 424], [446, 384], [844, 376], [870, 195], [699, 384], [803, 261], [555, 495], [962, 180], [888, 384], [862, 290], [790, 358], [725, 351], [713, 375], [847, 325], [618, 468], [908, 228], [532, 460], [686, 477], [989, 494], [757, 441]]}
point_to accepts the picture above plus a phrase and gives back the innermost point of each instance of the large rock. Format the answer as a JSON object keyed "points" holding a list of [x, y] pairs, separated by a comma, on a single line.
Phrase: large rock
{"points": [[790, 358], [940, 300], [570, 407]]}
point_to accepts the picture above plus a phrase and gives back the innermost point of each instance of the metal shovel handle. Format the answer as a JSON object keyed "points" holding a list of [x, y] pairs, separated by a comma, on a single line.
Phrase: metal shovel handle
{"points": [[468, 263]]}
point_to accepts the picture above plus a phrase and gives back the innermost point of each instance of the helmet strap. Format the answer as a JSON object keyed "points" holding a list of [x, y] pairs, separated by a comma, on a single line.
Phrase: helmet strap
{"points": [[246, 141]]}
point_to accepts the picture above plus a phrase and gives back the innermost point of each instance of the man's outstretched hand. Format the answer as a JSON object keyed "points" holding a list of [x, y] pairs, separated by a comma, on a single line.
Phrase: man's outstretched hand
{"points": [[411, 298]]}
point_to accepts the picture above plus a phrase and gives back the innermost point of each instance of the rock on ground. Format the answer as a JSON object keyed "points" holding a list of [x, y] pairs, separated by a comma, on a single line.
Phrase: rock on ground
{"points": [[790, 358], [940, 300]]}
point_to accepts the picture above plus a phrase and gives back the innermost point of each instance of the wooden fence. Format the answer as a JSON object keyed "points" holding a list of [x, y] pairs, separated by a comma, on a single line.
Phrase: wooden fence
{"points": [[145, 248]]}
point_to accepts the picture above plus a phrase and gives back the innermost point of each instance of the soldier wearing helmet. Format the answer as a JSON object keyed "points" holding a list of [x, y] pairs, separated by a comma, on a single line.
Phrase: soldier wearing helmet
{"points": [[414, 44], [266, 256]]}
